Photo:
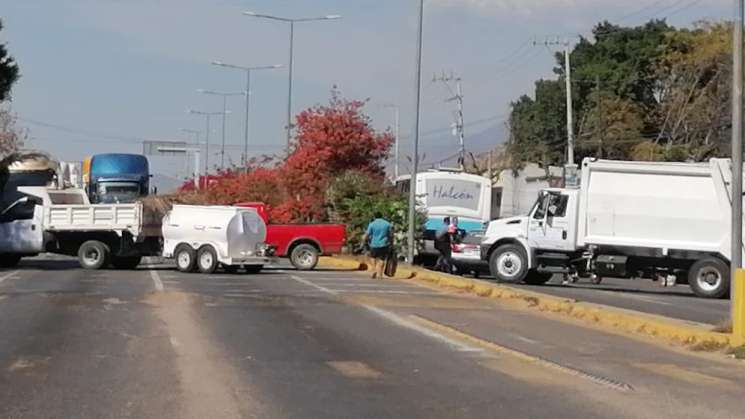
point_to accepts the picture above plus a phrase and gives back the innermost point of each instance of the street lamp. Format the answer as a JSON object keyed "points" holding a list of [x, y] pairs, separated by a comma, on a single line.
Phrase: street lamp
{"points": [[292, 59], [208, 116], [397, 120], [415, 154], [196, 134], [224, 114], [244, 158]]}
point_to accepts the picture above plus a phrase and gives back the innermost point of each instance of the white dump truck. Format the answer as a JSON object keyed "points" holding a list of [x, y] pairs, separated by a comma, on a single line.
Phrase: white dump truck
{"points": [[199, 237], [627, 219]]}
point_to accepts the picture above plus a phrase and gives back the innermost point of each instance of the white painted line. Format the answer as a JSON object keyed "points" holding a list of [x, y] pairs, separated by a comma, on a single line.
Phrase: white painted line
{"points": [[400, 321], [386, 292], [310, 284], [8, 275], [156, 281]]}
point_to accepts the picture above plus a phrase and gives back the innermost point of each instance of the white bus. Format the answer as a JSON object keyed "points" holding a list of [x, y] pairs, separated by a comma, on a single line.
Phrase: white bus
{"points": [[452, 193]]}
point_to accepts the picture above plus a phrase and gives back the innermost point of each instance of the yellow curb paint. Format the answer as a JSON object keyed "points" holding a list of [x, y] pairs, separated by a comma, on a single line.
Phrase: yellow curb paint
{"points": [[611, 318], [738, 310]]}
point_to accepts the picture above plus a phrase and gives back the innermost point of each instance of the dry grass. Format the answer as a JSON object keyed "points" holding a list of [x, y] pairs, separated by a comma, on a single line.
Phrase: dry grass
{"points": [[724, 326], [738, 353], [706, 346]]}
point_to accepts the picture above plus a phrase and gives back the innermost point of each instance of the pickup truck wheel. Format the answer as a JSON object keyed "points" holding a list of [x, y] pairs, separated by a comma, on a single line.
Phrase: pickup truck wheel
{"points": [[254, 269], [509, 263], [93, 255], [9, 261], [537, 278], [186, 258], [304, 257], [207, 260], [709, 278], [126, 263]]}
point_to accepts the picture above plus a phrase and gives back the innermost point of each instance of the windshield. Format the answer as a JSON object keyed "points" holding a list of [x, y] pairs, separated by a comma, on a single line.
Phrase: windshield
{"points": [[118, 193]]}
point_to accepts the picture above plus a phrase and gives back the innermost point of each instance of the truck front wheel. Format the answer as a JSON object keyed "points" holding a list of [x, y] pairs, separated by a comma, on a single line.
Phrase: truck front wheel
{"points": [[304, 257], [93, 255], [709, 278], [509, 263]]}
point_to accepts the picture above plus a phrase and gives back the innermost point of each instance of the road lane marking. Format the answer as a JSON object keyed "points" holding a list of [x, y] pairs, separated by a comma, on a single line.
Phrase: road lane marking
{"points": [[311, 284], [8, 275], [398, 320], [156, 281], [495, 347], [385, 292]]}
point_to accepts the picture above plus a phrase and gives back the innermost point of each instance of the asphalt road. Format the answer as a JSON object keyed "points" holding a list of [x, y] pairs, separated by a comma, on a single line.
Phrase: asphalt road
{"points": [[643, 295], [155, 343]]}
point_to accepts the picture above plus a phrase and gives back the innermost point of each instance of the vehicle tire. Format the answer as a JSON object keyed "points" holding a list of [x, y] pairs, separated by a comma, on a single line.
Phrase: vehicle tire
{"points": [[304, 257], [230, 269], [207, 260], [537, 278], [509, 263], [9, 260], [253, 269], [93, 255], [186, 258], [709, 278], [126, 263]]}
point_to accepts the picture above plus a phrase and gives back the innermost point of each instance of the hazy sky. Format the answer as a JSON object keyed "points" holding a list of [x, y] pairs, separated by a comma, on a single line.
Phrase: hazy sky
{"points": [[108, 73]]}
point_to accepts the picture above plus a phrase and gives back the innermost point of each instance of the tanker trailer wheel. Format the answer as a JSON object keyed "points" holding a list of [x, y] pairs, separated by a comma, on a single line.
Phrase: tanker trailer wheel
{"points": [[93, 255], [709, 278], [509, 263], [207, 260], [304, 257], [186, 258]]}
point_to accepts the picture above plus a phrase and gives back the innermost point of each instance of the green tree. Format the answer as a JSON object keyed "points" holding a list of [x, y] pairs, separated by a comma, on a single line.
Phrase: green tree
{"points": [[611, 126], [8, 71]]}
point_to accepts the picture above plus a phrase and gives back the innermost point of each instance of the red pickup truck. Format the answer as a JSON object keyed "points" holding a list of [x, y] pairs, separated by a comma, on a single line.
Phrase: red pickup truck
{"points": [[302, 243]]}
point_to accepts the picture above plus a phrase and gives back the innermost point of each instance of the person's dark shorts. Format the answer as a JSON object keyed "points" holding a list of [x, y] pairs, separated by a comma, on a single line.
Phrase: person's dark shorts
{"points": [[379, 253]]}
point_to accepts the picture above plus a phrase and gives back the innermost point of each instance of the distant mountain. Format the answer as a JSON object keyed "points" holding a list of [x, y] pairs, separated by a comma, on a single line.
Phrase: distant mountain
{"points": [[443, 149], [165, 184]]}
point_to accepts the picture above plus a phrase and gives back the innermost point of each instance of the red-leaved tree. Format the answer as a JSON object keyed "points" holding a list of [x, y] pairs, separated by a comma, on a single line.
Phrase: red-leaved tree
{"points": [[331, 139]]}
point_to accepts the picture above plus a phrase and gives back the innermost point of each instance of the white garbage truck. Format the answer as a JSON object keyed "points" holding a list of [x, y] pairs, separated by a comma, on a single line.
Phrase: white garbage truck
{"points": [[668, 221], [201, 238]]}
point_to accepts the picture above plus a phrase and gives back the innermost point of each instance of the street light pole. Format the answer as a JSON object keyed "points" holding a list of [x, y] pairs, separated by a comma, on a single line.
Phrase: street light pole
{"points": [[248, 70], [224, 112], [292, 59], [415, 148], [397, 131], [737, 117], [207, 116], [289, 91]]}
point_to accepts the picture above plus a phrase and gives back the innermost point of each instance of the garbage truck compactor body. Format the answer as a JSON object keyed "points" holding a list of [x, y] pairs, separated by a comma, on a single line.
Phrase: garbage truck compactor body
{"points": [[666, 221]]}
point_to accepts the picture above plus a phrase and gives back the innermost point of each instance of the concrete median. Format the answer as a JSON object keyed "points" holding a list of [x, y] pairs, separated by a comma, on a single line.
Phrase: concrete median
{"points": [[697, 336]]}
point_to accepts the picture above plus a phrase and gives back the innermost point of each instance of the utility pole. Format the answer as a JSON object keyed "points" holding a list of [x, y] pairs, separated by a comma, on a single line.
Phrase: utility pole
{"points": [[737, 81], [570, 171], [458, 99], [415, 148]]}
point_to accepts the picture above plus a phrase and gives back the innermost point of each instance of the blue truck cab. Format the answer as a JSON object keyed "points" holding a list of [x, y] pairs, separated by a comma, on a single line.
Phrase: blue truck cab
{"points": [[118, 178]]}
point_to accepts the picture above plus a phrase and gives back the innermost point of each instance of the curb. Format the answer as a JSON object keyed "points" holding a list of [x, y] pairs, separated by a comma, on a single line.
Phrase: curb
{"points": [[609, 318]]}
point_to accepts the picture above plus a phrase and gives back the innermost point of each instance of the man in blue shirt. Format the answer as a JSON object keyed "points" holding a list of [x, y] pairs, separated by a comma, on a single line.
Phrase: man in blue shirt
{"points": [[379, 237]]}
